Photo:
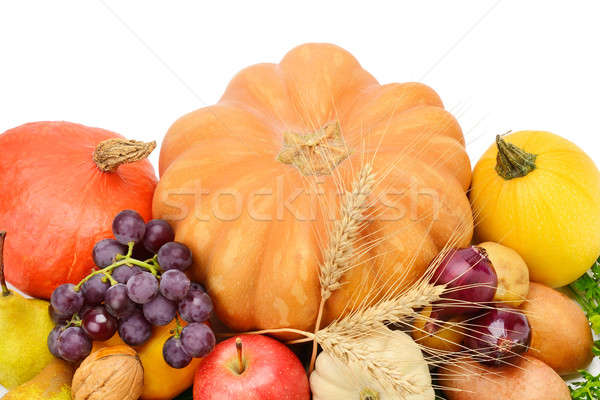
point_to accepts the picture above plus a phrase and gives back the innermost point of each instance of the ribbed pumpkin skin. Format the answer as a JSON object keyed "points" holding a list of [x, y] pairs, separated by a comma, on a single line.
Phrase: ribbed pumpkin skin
{"points": [[56, 203], [261, 265]]}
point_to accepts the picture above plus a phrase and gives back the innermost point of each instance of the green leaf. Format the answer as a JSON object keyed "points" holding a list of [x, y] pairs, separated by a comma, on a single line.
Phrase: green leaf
{"points": [[586, 389], [587, 292], [596, 348], [595, 322]]}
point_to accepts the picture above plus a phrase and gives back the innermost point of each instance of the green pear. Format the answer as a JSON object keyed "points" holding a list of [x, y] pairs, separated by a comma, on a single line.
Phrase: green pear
{"points": [[24, 328], [53, 383]]}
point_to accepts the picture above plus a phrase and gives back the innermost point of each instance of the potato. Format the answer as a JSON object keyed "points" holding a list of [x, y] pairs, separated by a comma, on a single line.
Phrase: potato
{"points": [[560, 333], [513, 274], [435, 334], [529, 379]]}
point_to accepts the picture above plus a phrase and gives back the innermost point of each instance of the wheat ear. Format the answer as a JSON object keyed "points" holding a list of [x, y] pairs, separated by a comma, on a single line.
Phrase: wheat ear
{"points": [[339, 338], [338, 255], [389, 311], [344, 347], [339, 252]]}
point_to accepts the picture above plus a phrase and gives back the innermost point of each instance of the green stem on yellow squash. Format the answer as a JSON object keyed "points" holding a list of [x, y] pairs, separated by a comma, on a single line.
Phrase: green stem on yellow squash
{"points": [[512, 161]]}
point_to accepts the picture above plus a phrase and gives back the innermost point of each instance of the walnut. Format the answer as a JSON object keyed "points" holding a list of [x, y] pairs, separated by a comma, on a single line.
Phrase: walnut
{"points": [[111, 373]]}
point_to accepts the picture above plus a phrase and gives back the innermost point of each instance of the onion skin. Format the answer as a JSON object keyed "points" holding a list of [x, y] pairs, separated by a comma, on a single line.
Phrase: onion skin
{"points": [[470, 279], [499, 336]]}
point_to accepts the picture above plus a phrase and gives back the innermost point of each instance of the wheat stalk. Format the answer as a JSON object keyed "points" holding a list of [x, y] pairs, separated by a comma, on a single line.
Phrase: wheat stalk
{"points": [[345, 348], [340, 249], [339, 338], [339, 252], [390, 311]]}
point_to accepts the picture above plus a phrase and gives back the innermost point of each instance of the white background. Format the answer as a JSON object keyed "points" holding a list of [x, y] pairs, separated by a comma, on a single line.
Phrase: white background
{"points": [[136, 66]]}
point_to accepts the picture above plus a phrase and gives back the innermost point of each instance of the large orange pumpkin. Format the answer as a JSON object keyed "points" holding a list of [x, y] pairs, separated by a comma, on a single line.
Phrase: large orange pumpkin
{"points": [[238, 182], [57, 203]]}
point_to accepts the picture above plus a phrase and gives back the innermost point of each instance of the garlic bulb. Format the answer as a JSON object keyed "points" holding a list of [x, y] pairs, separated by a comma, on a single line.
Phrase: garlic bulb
{"points": [[333, 379]]}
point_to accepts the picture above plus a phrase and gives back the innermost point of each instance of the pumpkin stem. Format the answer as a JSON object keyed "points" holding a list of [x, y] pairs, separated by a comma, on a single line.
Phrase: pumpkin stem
{"points": [[369, 394], [111, 153], [512, 161], [315, 153], [5, 291]]}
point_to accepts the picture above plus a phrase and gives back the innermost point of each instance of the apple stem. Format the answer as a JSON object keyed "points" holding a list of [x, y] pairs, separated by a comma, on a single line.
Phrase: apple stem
{"points": [[5, 291], [238, 346]]}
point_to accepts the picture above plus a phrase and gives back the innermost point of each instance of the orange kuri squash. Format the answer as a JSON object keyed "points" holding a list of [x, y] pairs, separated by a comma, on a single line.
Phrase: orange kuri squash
{"points": [[251, 184], [61, 185]]}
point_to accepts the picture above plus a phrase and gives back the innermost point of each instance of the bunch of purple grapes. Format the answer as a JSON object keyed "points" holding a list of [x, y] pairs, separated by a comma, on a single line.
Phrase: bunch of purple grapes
{"points": [[140, 283]]}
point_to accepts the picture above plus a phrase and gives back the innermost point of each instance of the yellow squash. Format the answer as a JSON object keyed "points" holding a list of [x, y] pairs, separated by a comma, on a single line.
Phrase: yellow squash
{"points": [[539, 194]]}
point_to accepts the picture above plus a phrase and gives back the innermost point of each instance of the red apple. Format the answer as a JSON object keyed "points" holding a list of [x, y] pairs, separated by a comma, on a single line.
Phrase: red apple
{"points": [[251, 367]]}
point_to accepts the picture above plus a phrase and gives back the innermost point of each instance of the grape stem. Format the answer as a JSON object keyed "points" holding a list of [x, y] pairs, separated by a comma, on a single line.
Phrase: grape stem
{"points": [[178, 327], [120, 259], [5, 291], [108, 277], [75, 321]]}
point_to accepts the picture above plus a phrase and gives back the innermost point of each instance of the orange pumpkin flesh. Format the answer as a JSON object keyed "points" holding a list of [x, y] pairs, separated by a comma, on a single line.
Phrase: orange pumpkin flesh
{"points": [[231, 173], [56, 203]]}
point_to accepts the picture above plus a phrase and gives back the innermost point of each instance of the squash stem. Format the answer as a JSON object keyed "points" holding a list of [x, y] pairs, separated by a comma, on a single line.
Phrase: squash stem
{"points": [[111, 153], [5, 291], [315, 153], [512, 161]]}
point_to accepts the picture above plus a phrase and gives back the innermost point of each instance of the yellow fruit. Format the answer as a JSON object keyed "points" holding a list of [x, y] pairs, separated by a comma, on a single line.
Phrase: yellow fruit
{"points": [[540, 195], [24, 328], [52, 383], [432, 333], [161, 382]]}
